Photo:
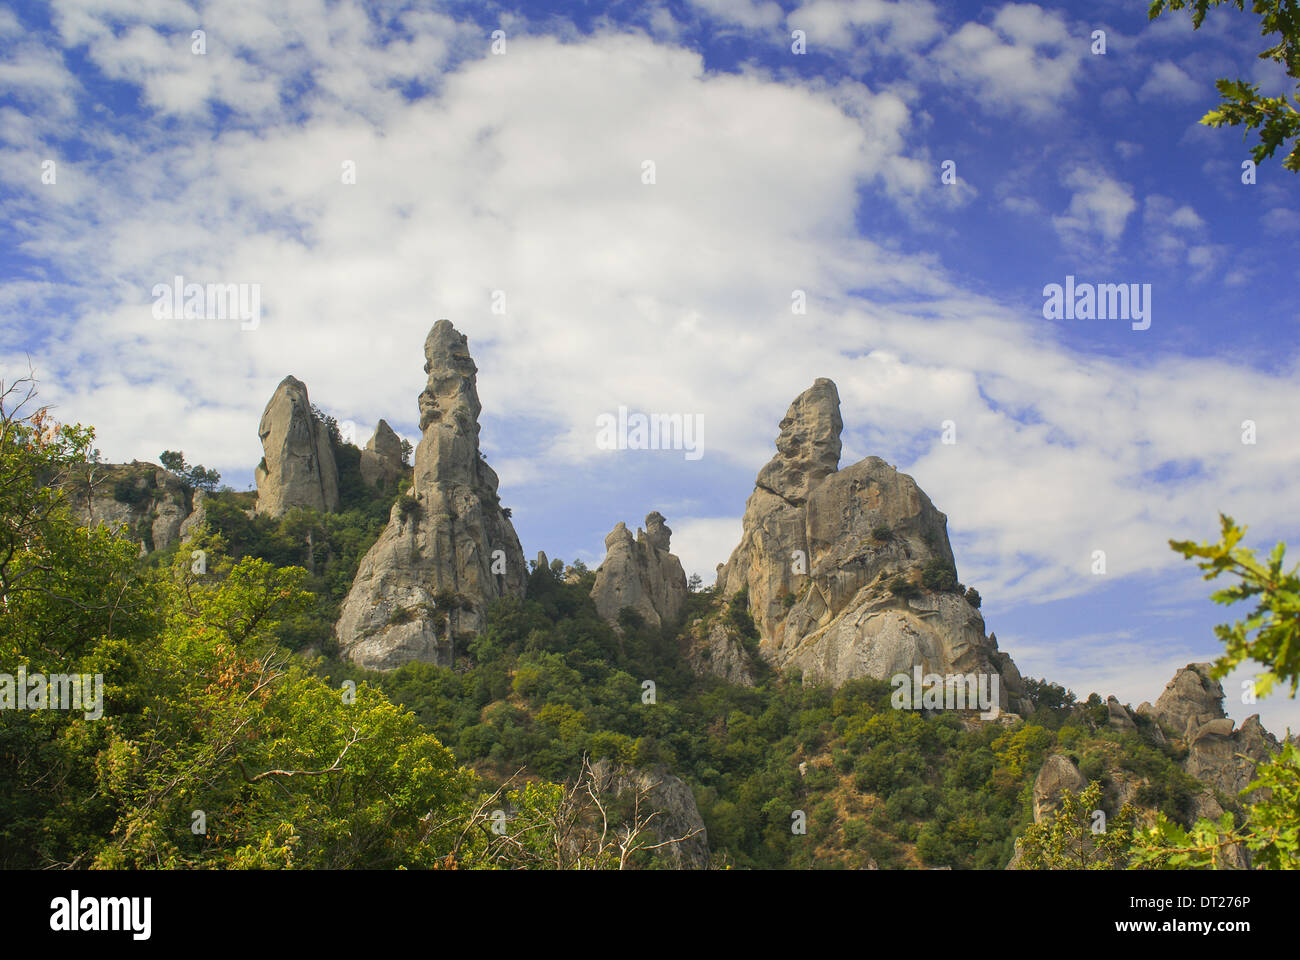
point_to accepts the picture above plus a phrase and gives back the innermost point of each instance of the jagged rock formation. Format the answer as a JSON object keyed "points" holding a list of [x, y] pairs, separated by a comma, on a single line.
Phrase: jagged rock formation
{"points": [[715, 649], [148, 504], [381, 460], [449, 549], [1190, 713], [671, 799], [1056, 776], [297, 467], [640, 574], [1190, 710], [1117, 715], [820, 550]]}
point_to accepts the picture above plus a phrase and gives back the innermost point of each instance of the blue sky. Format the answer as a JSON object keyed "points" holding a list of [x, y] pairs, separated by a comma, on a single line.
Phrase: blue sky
{"points": [[521, 171]]}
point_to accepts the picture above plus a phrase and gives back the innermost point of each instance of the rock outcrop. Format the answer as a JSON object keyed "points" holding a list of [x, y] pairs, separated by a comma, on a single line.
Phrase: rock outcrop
{"points": [[198, 516], [671, 800], [831, 562], [381, 460], [640, 573], [715, 649], [297, 467], [449, 549], [1057, 776], [146, 503], [1191, 711], [1117, 715]]}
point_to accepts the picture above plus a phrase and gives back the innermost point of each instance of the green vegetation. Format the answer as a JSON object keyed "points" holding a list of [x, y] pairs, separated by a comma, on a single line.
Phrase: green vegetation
{"points": [[903, 588], [941, 576], [1079, 837], [1271, 827], [1276, 118], [212, 714], [196, 477]]}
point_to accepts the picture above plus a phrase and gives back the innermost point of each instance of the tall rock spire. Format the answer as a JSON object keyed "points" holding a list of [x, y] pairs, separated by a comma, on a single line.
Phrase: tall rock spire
{"points": [[449, 550], [808, 448], [381, 460], [297, 468]]}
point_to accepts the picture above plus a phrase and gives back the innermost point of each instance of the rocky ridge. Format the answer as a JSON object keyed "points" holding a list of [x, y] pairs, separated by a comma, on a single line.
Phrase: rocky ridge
{"points": [[147, 503]]}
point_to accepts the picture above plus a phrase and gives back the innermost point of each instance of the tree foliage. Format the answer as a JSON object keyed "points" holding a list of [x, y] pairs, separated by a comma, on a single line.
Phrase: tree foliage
{"points": [[1275, 118]]}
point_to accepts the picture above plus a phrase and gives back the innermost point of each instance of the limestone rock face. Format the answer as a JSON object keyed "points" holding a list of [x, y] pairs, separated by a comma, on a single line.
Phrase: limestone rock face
{"points": [[640, 573], [1118, 715], [819, 549], [198, 516], [1192, 695], [147, 503], [381, 460], [674, 803], [715, 649], [1191, 707], [297, 468], [1056, 776], [448, 550]]}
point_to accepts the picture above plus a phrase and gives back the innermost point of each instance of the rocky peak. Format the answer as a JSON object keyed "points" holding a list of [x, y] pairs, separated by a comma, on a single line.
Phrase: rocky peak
{"points": [[1191, 709], [452, 390], [449, 537], [381, 460], [808, 448], [640, 573], [297, 467], [385, 442], [657, 532], [1192, 695], [821, 550]]}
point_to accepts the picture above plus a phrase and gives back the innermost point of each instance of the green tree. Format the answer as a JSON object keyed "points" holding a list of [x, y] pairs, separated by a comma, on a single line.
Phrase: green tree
{"points": [[1270, 634], [1271, 829], [198, 477], [1077, 838], [1276, 118]]}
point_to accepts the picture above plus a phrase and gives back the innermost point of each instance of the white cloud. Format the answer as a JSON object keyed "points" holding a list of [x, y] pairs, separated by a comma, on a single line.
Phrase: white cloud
{"points": [[750, 14], [1026, 61], [522, 173], [1099, 208], [1174, 236], [703, 542], [843, 24], [1168, 81], [1281, 220]]}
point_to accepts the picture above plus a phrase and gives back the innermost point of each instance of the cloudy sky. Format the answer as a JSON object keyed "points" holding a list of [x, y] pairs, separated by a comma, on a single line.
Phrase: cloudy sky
{"points": [[503, 184]]}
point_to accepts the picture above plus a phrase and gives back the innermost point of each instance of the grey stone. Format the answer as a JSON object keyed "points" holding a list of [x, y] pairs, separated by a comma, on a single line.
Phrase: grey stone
{"points": [[297, 467], [449, 538]]}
